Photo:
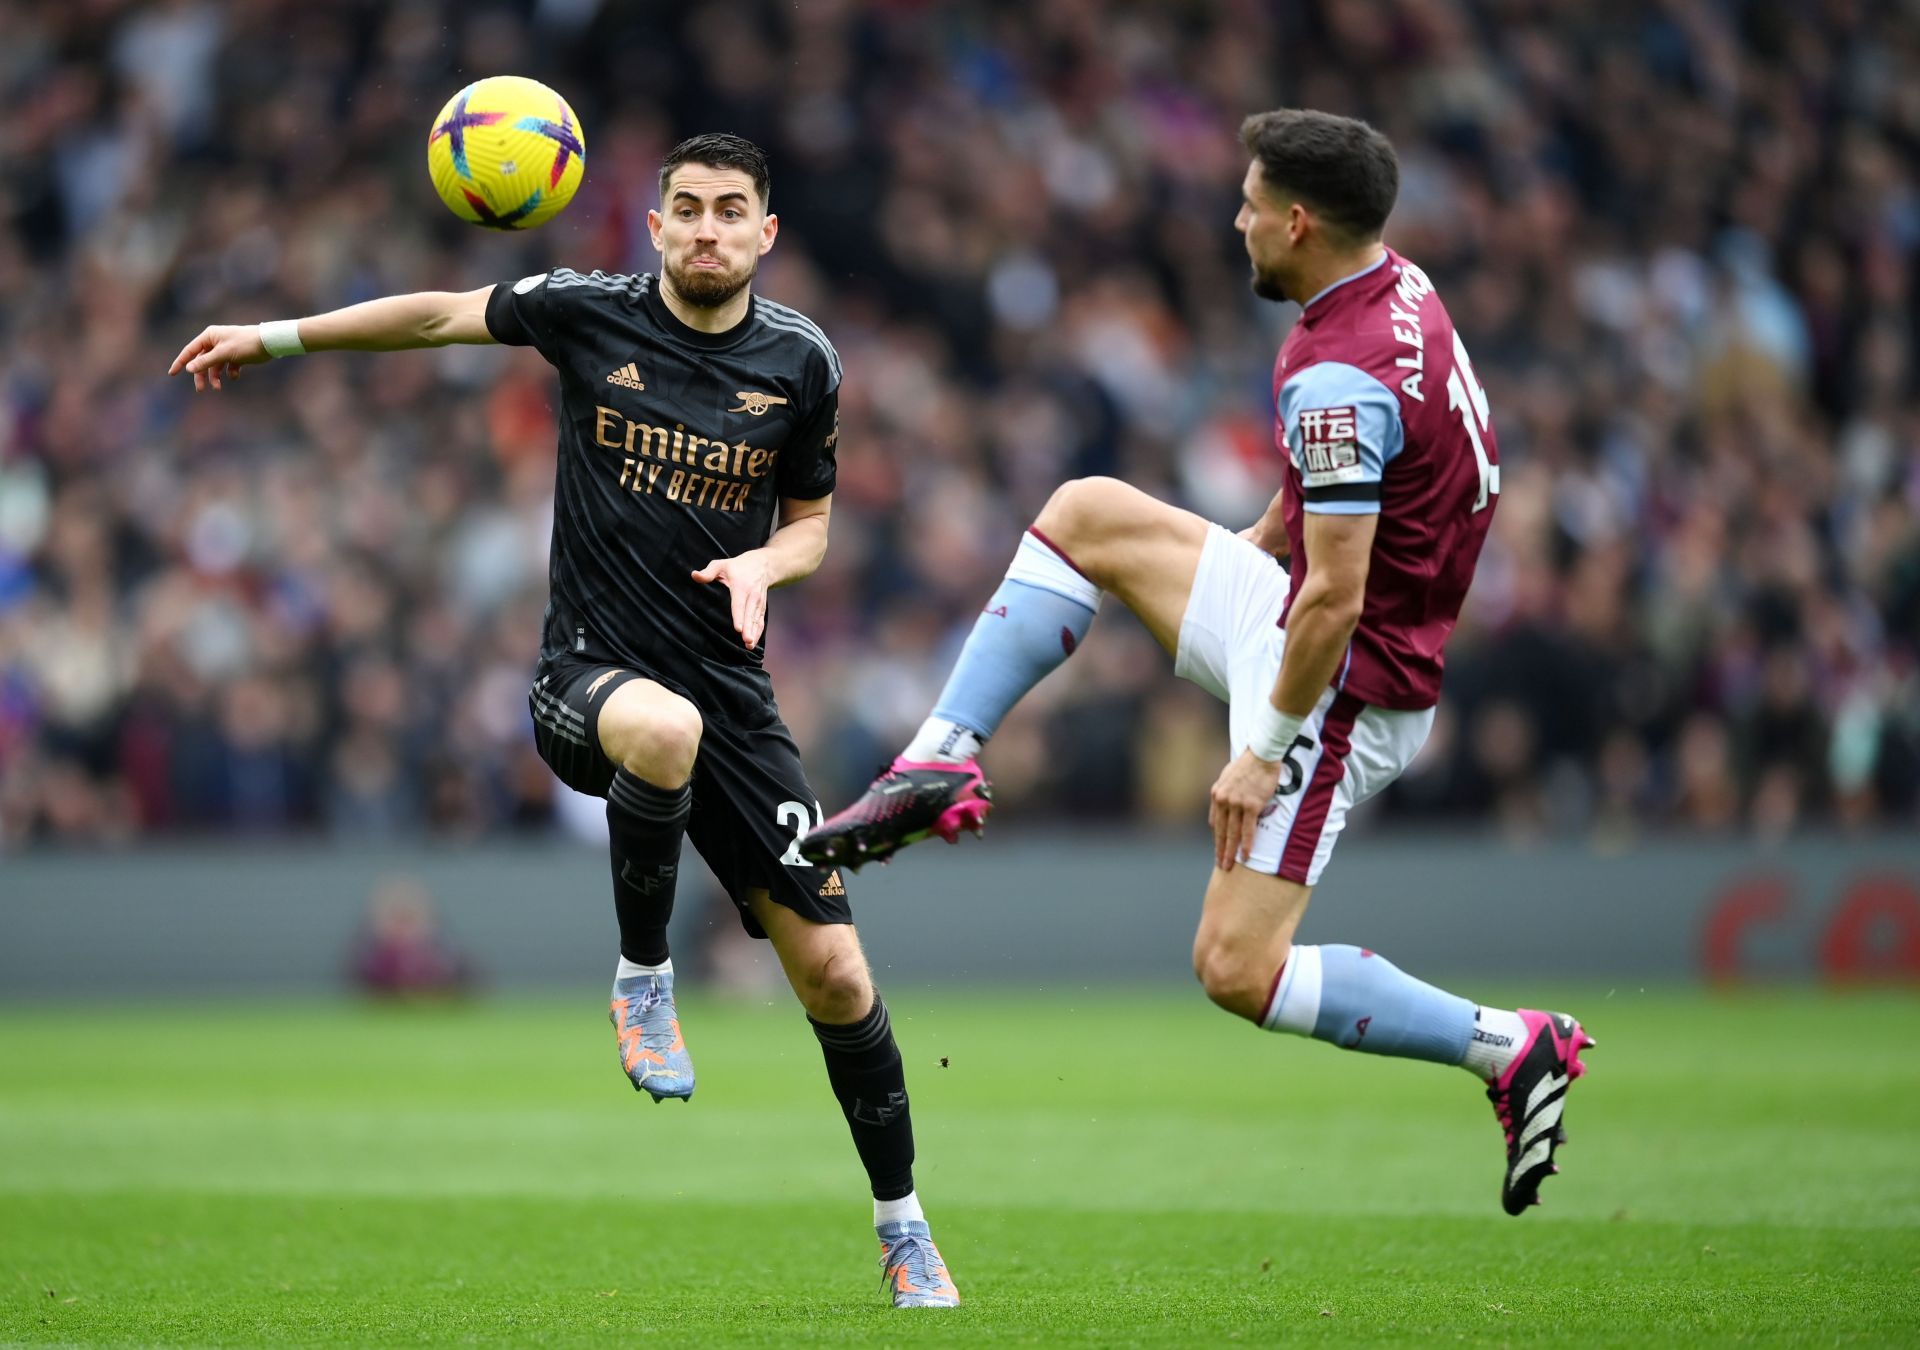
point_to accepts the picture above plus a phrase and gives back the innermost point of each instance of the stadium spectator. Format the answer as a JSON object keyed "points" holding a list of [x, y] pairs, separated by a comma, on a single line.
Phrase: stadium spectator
{"points": [[401, 951]]}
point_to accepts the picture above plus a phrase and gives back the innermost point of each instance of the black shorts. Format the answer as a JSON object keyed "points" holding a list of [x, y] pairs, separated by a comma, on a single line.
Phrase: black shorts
{"points": [[751, 800]]}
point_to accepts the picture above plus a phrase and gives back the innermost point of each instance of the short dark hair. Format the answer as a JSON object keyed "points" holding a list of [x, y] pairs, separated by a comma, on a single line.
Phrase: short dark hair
{"points": [[1339, 166], [720, 150]]}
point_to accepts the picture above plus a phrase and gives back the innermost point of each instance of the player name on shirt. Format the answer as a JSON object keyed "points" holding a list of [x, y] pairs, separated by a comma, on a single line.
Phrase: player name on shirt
{"points": [[1411, 290]]}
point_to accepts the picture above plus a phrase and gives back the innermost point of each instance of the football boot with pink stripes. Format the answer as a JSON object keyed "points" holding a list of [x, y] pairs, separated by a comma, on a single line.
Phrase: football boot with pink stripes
{"points": [[902, 806]]}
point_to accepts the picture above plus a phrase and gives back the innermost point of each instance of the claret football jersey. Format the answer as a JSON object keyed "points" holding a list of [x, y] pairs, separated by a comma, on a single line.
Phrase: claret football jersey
{"points": [[1379, 410]]}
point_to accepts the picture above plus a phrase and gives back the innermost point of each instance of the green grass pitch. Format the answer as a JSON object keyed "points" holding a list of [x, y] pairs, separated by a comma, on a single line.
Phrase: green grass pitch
{"points": [[1101, 1167]]}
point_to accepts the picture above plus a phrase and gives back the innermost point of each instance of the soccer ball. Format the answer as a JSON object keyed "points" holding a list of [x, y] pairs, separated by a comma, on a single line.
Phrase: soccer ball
{"points": [[506, 152]]}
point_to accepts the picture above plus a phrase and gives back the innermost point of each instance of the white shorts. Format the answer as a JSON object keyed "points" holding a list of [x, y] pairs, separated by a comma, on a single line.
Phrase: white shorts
{"points": [[1230, 645]]}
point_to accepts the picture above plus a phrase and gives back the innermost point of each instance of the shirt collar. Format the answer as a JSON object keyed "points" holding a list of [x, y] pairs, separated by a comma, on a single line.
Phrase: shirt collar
{"points": [[1374, 267], [691, 336]]}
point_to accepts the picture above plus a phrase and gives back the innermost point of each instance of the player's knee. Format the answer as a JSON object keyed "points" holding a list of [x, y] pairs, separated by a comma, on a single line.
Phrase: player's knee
{"points": [[676, 740], [1235, 976], [662, 745], [1078, 513], [837, 987]]}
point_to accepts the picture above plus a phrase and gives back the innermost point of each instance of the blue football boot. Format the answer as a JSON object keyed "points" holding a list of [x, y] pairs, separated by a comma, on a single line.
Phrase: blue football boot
{"points": [[652, 1052], [911, 1268]]}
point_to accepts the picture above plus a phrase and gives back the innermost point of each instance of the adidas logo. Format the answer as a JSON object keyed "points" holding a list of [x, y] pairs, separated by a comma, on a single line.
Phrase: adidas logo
{"points": [[627, 377], [832, 887]]}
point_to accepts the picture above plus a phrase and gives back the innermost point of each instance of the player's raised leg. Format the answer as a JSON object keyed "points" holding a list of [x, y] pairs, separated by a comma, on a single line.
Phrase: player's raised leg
{"points": [[828, 971], [1246, 959], [1094, 535], [652, 736]]}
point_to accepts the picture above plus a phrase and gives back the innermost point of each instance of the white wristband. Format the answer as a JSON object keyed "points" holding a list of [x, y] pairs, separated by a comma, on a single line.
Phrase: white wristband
{"points": [[1273, 732], [281, 337]]}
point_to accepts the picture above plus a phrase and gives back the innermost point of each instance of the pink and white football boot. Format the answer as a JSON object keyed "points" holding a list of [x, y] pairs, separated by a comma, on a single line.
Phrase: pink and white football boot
{"points": [[1530, 1097]]}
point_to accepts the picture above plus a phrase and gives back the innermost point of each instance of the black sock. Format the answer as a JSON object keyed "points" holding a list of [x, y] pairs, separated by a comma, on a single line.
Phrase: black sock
{"points": [[863, 1064], [644, 826]]}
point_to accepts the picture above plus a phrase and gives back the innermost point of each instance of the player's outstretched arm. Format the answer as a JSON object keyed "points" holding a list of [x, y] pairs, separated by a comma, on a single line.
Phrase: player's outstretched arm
{"points": [[389, 324]]}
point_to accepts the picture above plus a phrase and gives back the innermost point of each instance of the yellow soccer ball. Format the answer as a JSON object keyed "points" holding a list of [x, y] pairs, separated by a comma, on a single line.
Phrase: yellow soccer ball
{"points": [[506, 152]]}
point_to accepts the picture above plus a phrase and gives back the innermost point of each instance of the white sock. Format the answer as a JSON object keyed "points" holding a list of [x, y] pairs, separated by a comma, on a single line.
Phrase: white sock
{"points": [[626, 970], [906, 1208], [1296, 999], [942, 742], [1498, 1035]]}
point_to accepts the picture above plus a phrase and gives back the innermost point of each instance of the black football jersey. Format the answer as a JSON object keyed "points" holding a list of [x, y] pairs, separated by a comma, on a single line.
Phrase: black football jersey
{"points": [[675, 448]]}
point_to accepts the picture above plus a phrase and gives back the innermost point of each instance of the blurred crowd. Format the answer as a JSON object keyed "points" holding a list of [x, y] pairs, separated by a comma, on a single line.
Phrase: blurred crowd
{"points": [[1679, 237]]}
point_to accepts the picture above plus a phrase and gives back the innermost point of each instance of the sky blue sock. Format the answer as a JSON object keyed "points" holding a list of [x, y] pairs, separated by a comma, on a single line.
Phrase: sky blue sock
{"points": [[1359, 1000], [1035, 620]]}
